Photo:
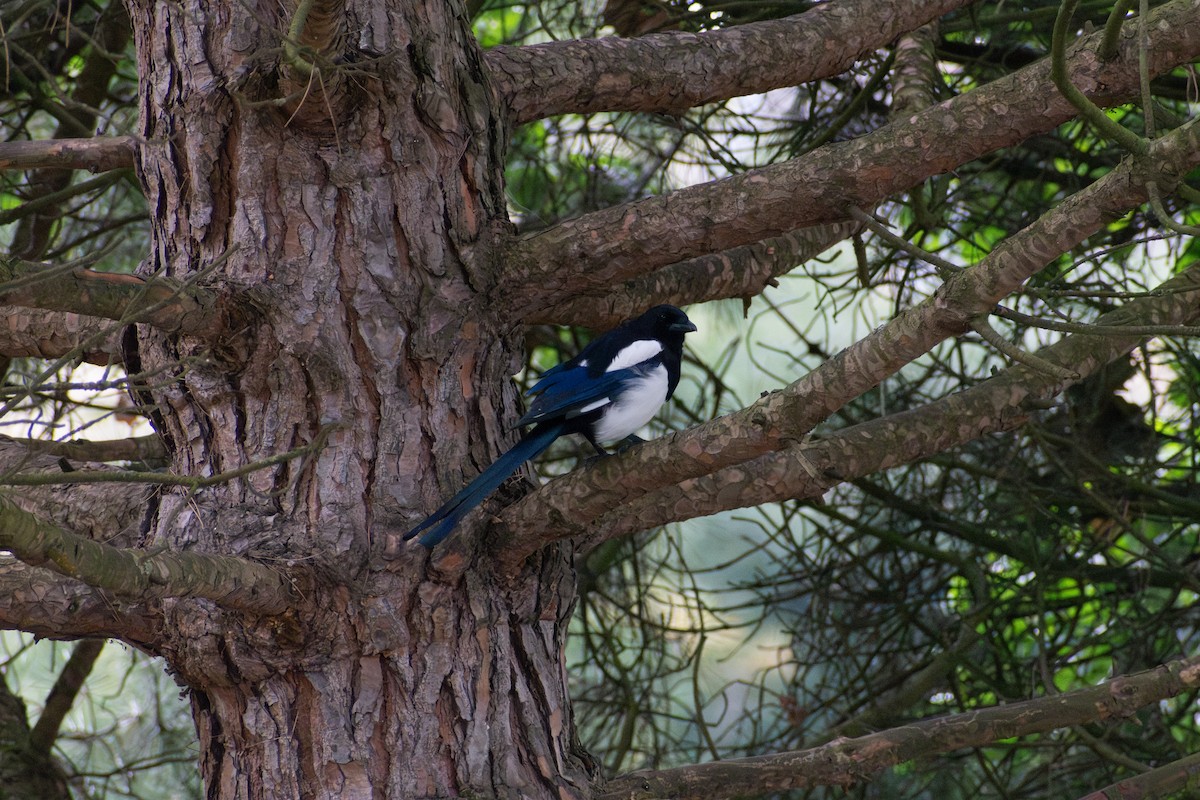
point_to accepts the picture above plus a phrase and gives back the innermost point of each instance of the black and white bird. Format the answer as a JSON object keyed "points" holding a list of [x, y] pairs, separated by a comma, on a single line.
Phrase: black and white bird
{"points": [[606, 393]]}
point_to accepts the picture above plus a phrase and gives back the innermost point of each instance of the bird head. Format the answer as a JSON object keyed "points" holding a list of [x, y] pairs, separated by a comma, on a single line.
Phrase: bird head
{"points": [[666, 322]]}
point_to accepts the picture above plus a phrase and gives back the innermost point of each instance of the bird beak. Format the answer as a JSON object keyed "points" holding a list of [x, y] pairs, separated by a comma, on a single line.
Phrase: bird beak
{"points": [[681, 327]]}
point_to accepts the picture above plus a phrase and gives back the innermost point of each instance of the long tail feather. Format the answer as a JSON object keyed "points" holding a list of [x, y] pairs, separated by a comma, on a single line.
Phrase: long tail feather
{"points": [[440, 523]]}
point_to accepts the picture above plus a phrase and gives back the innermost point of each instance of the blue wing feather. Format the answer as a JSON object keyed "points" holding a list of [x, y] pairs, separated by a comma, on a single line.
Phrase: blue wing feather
{"points": [[566, 393], [577, 396]]}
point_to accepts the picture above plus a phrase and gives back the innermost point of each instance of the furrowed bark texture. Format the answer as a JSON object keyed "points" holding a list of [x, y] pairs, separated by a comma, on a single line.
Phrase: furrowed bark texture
{"points": [[36, 333], [361, 208], [672, 72]]}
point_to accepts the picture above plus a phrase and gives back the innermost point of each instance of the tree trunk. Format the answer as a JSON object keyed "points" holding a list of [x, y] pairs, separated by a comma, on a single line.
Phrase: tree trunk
{"points": [[356, 204]]}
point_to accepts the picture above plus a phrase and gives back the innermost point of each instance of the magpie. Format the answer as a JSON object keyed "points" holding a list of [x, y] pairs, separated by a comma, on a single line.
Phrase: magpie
{"points": [[606, 393]]}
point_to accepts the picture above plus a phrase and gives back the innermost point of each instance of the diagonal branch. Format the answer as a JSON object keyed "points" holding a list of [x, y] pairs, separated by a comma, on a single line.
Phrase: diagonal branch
{"points": [[786, 416], [672, 72], [602, 249], [846, 762], [998, 404], [1162, 781], [741, 272], [62, 695]]}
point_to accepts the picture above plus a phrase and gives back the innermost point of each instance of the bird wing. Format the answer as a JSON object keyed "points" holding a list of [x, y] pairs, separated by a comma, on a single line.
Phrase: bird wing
{"points": [[569, 393]]}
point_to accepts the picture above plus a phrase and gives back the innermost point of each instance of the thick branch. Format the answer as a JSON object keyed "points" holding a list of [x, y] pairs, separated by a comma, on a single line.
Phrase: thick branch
{"points": [[228, 581], [672, 72], [604, 248], [788, 415], [846, 762], [998, 404], [163, 303], [99, 154], [36, 333], [111, 513], [37, 601], [741, 272]]}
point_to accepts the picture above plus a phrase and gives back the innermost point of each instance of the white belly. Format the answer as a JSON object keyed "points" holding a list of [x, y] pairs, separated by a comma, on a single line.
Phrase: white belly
{"points": [[636, 406]]}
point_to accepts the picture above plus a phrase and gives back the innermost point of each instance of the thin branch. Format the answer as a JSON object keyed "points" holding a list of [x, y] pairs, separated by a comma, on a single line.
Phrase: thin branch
{"points": [[989, 334], [846, 762], [292, 47], [99, 154], [1094, 330], [1112, 29], [602, 249], [54, 199], [1087, 109], [139, 575], [880, 229]]}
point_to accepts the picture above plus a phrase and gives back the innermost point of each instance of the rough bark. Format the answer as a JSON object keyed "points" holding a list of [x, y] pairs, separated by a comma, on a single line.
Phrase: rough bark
{"points": [[672, 72], [126, 298], [34, 333], [37, 601], [110, 513], [368, 266]]}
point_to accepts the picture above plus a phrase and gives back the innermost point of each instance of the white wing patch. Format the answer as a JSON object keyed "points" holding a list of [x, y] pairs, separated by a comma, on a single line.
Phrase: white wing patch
{"points": [[635, 353], [603, 401], [638, 403]]}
